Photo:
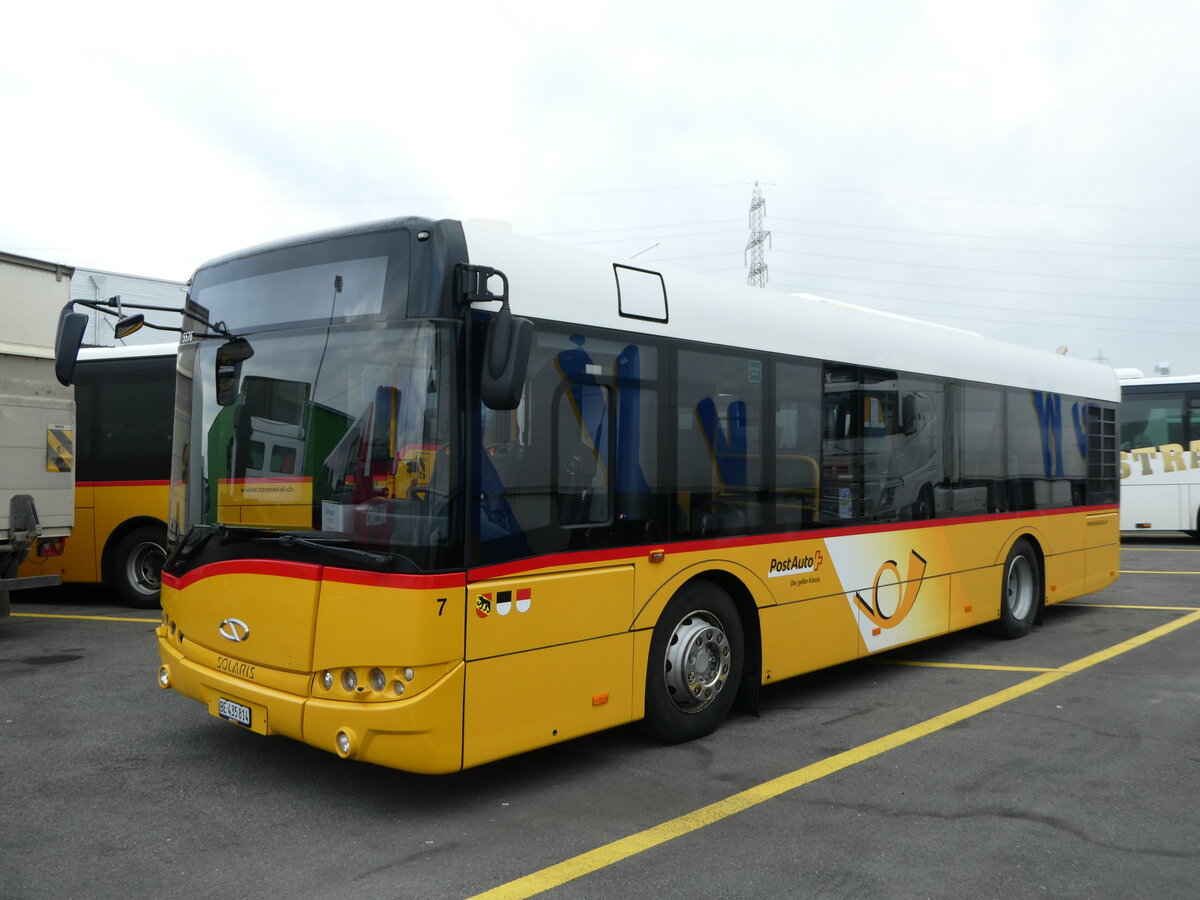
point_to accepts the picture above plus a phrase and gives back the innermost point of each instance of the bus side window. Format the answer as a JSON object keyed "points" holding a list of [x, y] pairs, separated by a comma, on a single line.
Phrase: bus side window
{"points": [[797, 478], [583, 435], [719, 463]]}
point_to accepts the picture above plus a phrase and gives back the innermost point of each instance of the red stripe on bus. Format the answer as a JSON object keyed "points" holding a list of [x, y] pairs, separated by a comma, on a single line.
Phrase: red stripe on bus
{"points": [[94, 484], [314, 572], [387, 579], [531, 564], [305, 571]]}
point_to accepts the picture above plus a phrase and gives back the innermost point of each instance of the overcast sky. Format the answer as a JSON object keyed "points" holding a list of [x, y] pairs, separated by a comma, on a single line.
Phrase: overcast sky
{"points": [[1027, 170]]}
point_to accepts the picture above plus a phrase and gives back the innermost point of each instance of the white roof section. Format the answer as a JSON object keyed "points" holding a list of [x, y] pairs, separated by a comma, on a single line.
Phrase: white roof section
{"points": [[137, 351], [551, 281], [1160, 379]]}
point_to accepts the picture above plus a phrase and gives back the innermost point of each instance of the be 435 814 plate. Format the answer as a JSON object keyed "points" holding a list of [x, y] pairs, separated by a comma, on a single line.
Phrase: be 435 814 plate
{"points": [[232, 711]]}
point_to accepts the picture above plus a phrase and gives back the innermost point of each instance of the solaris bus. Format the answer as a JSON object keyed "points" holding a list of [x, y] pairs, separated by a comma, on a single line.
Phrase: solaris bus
{"points": [[442, 494]]}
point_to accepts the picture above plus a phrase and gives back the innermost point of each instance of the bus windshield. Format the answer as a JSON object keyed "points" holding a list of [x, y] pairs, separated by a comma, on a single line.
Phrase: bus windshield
{"points": [[337, 435]]}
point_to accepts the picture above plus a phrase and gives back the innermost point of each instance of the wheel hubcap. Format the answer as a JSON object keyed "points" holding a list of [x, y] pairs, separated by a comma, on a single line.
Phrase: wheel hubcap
{"points": [[1019, 587], [144, 567], [697, 662]]}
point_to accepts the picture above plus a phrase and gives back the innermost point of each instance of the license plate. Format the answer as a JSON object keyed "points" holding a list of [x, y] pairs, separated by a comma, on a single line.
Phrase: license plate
{"points": [[233, 712]]}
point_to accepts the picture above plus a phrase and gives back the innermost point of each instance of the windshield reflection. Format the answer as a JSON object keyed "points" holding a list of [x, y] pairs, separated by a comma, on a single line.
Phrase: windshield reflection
{"points": [[338, 433]]}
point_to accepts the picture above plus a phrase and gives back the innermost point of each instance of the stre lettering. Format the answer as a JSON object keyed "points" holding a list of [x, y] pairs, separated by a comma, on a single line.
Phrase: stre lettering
{"points": [[1169, 458]]}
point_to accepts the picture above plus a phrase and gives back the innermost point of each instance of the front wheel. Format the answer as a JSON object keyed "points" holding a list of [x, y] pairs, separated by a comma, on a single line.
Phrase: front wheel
{"points": [[137, 565], [696, 659], [1020, 591]]}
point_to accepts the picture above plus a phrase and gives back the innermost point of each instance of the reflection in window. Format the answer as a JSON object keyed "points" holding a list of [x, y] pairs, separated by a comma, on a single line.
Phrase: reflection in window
{"points": [[797, 443], [1151, 420], [977, 467], [719, 465], [576, 464]]}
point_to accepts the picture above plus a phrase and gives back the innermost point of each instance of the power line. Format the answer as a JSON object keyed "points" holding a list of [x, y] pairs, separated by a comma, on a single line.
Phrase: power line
{"points": [[1140, 209], [989, 237], [644, 227], [836, 237], [626, 240], [905, 262], [516, 196]]}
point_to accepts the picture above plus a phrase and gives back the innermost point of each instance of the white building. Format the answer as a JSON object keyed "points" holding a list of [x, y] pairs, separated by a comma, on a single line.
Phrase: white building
{"points": [[96, 284]]}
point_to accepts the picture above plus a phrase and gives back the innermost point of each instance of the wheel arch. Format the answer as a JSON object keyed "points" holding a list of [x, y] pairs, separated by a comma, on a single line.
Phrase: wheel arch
{"points": [[116, 536], [1035, 539], [748, 594]]}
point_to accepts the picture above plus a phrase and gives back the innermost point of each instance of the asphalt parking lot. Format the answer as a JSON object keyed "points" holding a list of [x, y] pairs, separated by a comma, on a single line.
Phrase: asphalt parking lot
{"points": [[1064, 764]]}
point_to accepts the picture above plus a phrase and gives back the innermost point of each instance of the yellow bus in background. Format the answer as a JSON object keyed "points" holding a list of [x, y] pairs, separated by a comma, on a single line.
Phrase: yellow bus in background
{"points": [[124, 400], [442, 494]]}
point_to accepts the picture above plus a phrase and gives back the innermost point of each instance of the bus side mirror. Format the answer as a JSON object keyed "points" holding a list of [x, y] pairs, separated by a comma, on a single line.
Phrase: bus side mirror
{"points": [[71, 326], [230, 357], [505, 360], [128, 325]]}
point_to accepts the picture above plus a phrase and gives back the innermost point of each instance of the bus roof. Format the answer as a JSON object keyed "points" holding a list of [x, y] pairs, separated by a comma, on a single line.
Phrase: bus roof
{"points": [[566, 284], [1150, 380], [135, 351], [570, 285]]}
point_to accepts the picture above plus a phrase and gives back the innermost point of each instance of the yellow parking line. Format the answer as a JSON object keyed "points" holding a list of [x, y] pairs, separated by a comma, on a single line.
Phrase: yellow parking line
{"points": [[1132, 606], [92, 618], [1167, 549], [1154, 572], [624, 848], [946, 665]]}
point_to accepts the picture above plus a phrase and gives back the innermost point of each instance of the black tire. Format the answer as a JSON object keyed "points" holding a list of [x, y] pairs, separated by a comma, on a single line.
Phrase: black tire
{"points": [[923, 507], [1020, 591], [137, 562], [695, 666]]}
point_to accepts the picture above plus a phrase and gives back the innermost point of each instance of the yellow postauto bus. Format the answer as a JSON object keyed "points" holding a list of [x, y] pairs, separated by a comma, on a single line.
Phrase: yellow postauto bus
{"points": [[124, 399], [442, 494]]}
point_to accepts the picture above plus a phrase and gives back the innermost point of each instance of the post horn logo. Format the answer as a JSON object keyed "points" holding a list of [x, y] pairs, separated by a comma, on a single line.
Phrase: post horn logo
{"points": [[234, 630], [909, 587]]}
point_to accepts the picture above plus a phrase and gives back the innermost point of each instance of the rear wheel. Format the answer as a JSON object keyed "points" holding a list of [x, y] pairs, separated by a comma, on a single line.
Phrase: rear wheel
{"points": [[696, 660], [1020, 591], [137, 565], [923, 507]]}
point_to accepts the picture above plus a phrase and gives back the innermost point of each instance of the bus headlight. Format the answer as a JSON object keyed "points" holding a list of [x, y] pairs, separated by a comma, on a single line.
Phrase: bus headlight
{"points": [[344, 744], [164, 677], [378, 679], [327, 680], [349, 679]]}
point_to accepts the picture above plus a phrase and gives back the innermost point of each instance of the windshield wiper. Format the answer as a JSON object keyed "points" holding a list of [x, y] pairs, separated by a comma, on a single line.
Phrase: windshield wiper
{"points": [[193, 542], [380, 562], [199, 536]]}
